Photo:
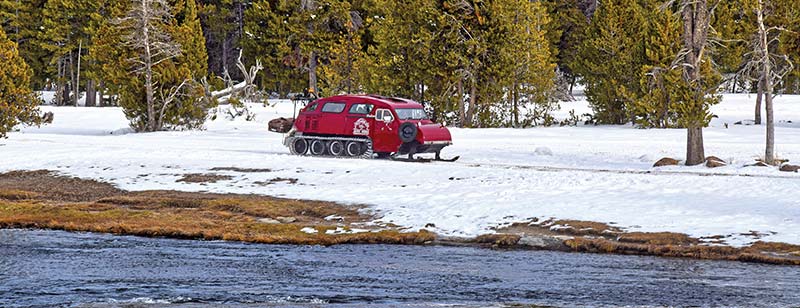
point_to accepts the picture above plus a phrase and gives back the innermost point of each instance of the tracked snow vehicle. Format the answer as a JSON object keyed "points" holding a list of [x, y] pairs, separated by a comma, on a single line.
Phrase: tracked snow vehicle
{"points": [[366, 126]]}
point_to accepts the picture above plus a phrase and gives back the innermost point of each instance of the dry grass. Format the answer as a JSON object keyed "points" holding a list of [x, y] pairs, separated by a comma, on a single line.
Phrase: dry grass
{"points": [[178, 214], [592, 237], [584, 228], [775, 248], [203, 178], [182, 223], [40, 199], [694, 251], [16, 195], [241, 170], [277, 180], [658, 238], [498, 240]]}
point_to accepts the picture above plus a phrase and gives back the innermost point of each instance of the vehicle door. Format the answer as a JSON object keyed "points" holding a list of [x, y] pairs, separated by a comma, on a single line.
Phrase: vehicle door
{"points": [[332, 118], [384, 132], [358, 121], [308, 118]]}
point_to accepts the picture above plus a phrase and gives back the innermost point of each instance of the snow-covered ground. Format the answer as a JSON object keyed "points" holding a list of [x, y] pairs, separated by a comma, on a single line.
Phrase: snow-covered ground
{"points": [[596, 173]]}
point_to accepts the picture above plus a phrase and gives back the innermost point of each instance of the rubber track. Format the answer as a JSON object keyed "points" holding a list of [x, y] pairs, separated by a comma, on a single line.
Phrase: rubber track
{"points": [[367, 155]]}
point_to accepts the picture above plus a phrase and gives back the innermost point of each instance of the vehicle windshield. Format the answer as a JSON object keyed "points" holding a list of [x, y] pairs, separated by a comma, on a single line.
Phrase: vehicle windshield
{"points": [[411, 114]]}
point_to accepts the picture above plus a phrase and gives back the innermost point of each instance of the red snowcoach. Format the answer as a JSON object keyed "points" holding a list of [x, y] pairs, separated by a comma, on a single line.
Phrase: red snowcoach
{"points": [[362, 126]]}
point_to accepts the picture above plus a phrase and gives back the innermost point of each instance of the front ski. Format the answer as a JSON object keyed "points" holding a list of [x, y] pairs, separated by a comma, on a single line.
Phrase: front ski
{"points": [[424, 160]]}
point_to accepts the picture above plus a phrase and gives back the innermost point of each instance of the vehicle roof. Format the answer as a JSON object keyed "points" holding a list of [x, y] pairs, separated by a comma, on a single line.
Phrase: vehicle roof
{"points": [[391, 101]]}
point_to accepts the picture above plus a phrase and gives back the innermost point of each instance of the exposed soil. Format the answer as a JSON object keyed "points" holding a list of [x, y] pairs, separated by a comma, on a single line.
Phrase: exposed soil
{"points": [[203, 178], [46, 185], [276, 180], [241, 170], [42, 199]]}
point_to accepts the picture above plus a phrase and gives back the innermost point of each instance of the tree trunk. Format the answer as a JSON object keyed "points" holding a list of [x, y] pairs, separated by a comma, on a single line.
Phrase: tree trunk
{"points": [[73, 87], [515, 102], [61, 96], [78, 73], [91, 94], [572, 85], [148, 83], [695, 153], [101, 92], [312, 73], [225, 43], [473, 93], [695, 17], [462, 115], [759, 98], [769, 154]]}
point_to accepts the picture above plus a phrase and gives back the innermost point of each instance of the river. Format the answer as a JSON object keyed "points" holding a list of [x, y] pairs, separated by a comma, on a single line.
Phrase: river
{"points": [[54, 268]]}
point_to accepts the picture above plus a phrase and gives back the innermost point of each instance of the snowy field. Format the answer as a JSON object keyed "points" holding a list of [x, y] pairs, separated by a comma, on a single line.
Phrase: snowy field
{"points": [[596, 173]]}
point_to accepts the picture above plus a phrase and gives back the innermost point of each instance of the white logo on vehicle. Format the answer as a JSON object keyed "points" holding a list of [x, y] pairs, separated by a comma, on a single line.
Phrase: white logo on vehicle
{"points": [[361, 127]]}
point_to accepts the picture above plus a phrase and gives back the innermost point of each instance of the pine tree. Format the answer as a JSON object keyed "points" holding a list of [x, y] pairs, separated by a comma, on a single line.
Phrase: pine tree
{"points": [[18, 103], [22, 21], [566, 34], [223, 23], [659, 79], [522, 64], [67, 36], [401, 57], [266, 30], [345, 58], [157, 90], [298, 34], [611, 60]]}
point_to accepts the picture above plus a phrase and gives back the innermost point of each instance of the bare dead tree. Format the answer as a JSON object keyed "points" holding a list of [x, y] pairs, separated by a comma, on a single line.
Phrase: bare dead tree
{"points": [[144, 25], [167, 97], [244, 89], [768, 68]]}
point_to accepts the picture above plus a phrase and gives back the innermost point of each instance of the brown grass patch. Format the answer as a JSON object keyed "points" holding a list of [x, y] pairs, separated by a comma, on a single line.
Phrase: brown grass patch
{"points": [[203, 178], [16, 195], [209, 225], [241, 170], [583, 228], [498, 240], [775, 247], [277, 180], [658, 238], [696, 251], [178, 214]]}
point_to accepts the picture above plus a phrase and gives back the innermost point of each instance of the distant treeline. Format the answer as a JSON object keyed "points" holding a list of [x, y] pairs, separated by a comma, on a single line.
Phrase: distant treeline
{"points": [[477, 63]]}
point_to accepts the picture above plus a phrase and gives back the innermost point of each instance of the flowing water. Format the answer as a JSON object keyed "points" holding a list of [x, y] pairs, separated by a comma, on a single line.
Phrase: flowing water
{"points": [[53, 268]]}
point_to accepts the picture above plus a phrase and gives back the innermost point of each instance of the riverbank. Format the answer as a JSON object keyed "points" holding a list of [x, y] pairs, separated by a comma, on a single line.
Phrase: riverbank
{"points": [[45, 200]]}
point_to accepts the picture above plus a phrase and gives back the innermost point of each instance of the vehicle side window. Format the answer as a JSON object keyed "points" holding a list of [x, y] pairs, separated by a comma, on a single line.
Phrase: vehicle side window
{"points": [[361, 108], [333, 107], [312, 107], [383, 114]]}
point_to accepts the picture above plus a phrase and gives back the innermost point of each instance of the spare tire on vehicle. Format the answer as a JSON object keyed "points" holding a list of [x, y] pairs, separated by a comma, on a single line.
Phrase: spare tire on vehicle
{"points": [[408, 132], [281, 125]]}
